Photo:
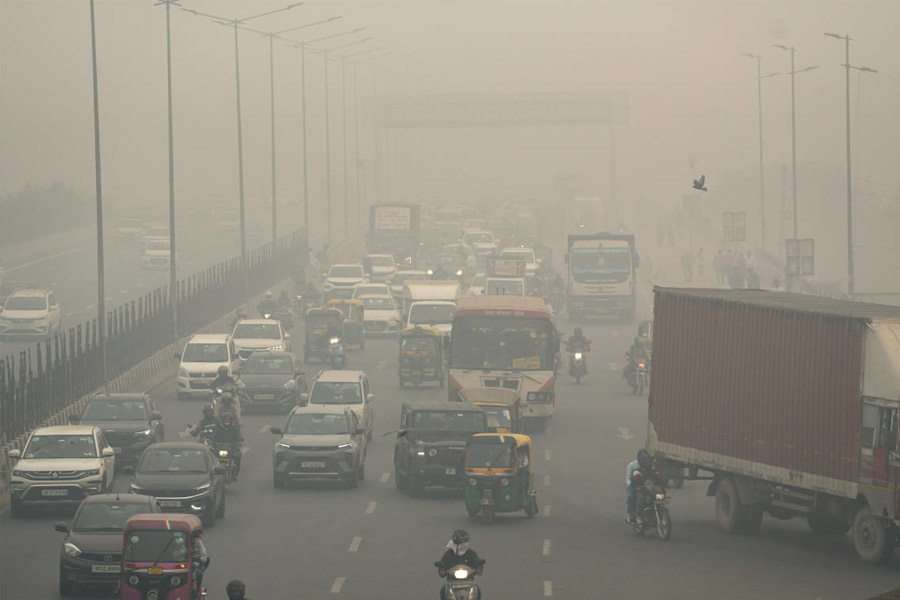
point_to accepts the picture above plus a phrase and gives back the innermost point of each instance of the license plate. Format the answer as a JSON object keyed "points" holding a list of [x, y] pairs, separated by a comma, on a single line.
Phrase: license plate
{"points": [[54, 492], [106, 568], [154, 571], [169, 503], [263, 396], [599, 309], [313, 464], [117, 450], [449, 471]]}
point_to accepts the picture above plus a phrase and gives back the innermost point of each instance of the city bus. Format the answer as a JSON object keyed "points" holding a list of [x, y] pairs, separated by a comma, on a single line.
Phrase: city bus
{"points": [[507, 342]]}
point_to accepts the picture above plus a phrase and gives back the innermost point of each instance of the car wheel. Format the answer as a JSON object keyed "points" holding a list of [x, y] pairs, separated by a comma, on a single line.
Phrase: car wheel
{"points": [[362, 472], [220, 514], [15, 508], [66, 587], [209, 515], [352, 480], [416, 486]]}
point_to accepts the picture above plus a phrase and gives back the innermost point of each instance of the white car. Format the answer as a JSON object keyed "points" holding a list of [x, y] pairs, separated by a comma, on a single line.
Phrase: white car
{"points": [[402, 277], [130, 230], [431, 313], [476, 286], [504, 286], [155, 231], [382, 314], [61, 466], [344, 388], [370, 289], [200, 361], [250, 335], [30, 313], [526, 254], [481, 242], [340, 280], [157, 255], [379, 267]]}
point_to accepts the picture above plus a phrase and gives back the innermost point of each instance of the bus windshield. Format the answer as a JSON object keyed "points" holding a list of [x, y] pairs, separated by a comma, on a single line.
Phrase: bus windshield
{"points": [[503, 343]]}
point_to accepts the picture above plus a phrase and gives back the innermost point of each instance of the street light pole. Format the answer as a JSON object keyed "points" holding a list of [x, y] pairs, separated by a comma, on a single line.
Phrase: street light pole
{"points": [[272, 119], [344, 134], [847, 66], [101, 283], [762, 187]]}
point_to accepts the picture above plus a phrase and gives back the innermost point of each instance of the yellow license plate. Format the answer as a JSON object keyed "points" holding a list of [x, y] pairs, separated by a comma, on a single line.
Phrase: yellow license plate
{"points": [[154, 571]]}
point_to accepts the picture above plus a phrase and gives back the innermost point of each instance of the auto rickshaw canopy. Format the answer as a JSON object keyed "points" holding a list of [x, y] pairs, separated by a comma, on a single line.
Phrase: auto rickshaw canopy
{"points": [[480, 446], [165, 521], [351, 309], [325, 313]]}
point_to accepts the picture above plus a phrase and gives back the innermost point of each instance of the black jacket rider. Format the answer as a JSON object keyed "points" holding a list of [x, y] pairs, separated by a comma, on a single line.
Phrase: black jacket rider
{"points": [[223, 382], [450, 559]]}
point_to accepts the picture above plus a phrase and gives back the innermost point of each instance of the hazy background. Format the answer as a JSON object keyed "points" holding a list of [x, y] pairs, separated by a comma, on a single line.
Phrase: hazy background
{"points": [[692, 104]]}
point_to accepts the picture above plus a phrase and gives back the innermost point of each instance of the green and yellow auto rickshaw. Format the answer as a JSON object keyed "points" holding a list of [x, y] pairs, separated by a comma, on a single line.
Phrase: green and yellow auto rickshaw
{"points": [[421, 356], [354, 319], [499, 475], [321, 325], [503, 407]]}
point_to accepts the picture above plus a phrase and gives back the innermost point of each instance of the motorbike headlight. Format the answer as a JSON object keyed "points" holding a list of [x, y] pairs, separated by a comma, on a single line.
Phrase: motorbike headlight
{"points": [[459, 272], [432, 452], [334, 341], [461, 573], [504, 482], [660, 496], [290, 384], [472, 481], [578, 356], [223, 453], [71, 549], [267, 315], [142, 433]]}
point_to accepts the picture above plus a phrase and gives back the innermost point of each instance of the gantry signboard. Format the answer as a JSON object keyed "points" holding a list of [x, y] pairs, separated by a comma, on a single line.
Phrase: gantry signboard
{"points": [[494, 110]]}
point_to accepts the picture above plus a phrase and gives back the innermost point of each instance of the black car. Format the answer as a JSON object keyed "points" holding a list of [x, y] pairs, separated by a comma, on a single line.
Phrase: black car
{"points": [[272, 380], [92, 549], [184, 477], [130, 422], [431, 443]]}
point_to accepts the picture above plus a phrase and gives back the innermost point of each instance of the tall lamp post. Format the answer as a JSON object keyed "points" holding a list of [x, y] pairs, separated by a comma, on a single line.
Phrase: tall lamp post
{"points": [[847, 66], [101, 284], [762, 187], [235, 23]]}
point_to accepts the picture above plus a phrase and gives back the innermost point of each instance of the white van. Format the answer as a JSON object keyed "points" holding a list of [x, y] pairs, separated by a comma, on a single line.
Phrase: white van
{"points": [[417, 291], [200, 361]]}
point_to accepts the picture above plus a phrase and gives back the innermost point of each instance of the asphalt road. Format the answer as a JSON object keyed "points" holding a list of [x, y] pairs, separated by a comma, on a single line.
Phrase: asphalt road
{"points": [[324, 541]]}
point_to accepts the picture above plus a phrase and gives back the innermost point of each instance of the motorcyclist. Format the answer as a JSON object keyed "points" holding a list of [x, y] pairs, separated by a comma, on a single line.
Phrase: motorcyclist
{"points": [[230, 434], [311, 294], [238, 317], [638, 350], [284, 299], [228, 404], [236, 590], [634, 498], [459, 553], [268, 306], [209, 418], [578, 343], [223, 379]]}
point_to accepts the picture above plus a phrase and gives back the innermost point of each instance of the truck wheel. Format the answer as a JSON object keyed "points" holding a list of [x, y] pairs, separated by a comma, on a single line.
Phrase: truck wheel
{"points": [[824, 525], [728, 507], [873, 542]]}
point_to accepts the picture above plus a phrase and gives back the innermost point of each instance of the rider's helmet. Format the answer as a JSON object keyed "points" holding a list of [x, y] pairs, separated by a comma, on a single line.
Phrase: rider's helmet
{"points": [[269, 295], [644, 458], [460, 536], [578, 332], [209, 410], [235, 589], [226, 398], [222, 371]]}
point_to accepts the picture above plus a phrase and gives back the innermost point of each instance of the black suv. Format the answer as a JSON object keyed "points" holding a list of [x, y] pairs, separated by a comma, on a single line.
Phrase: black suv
{"points": [[129, 421], [431, 443]]}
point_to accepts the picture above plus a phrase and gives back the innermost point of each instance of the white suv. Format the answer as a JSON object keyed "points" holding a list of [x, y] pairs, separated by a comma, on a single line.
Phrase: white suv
{"points": [[250, 335], [341, 279], [61, 466], [200, 360], [30, 313], [344, 388]]}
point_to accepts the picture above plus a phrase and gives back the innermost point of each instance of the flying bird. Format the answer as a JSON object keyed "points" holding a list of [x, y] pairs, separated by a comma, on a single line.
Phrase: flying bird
{"points": [[700, 184]]}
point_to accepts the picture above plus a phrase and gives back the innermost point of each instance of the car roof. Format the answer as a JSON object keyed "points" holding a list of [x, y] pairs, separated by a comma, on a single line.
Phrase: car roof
{"points": [[445, 405], [209, 338], [257, 322], [339, 376], [178, 445], [121, 396], [65, 430], [120, 498], [321, 409], [347, 265], [379, 255], [29, 292], [273, 353], [366, 296]]}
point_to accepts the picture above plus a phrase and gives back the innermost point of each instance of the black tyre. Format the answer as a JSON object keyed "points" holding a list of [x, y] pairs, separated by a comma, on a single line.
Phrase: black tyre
{"points": [[664, 525], [752, 518], [728, 507], [416, 486], [362, 472], [531, 509], [353, 480], [873, 542], [66, 588], [488, 513], [209, 515], [220, 512], [278, 482]]}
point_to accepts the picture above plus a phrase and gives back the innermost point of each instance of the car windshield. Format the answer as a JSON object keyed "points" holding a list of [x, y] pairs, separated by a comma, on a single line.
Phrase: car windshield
{"points": [[346, 271], [253, 331], [61, 446], [432, 313], [449, 420], [173, 460], [380, 261], [26, 303], [205, 353], [382, 303], [107, 516], [157, 545], [526, 255], [477, 281], [326, 392], [490, 455], [600, 264], [261, 365], [309, 424], [158, 245], [112, 410], [479, 238]]}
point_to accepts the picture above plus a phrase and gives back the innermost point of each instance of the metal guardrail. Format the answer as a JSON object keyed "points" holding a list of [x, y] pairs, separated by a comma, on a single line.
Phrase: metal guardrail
{"points": [[39, 381]]}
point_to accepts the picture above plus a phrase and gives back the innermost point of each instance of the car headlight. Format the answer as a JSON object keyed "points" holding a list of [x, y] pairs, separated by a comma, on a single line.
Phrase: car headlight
{"points": [[92, 473], [345, 446], [335, 340], [136, 489], [18, 473], [223, 453], [432, 452], [420, 452], [142, 433], [290, 384], [283, 445], [472, 481], [278, 347], [71, 549]]}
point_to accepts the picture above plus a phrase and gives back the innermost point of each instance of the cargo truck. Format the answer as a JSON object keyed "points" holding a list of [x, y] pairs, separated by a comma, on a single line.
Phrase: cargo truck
{"points": [[601, 275], [394, 229], [787, 404]]}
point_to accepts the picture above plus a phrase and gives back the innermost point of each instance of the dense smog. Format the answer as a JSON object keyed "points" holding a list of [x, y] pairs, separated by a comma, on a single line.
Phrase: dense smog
{"points": [[488, 299]]}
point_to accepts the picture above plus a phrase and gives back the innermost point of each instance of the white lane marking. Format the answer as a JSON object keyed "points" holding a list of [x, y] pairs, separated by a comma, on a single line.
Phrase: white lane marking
{"points": [[547, 454], [265, 429], [623, 434], [546, 480], [337, 585], [69, 314], [548, 588], [385, 477], [354, 545], [545, 549], [89, 307], [125, 292], [546, 510], [371, 508], [52, 256]]}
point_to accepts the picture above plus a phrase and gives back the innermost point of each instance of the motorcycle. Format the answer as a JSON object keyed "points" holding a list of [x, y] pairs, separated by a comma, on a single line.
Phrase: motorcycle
{"points": [[655, 513], [208, 434], [460, 582], [577, 366], [337, 354], [225, 452]]}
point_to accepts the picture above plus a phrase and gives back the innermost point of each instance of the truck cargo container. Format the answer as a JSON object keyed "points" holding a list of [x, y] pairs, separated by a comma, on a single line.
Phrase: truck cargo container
{"points": [[394, 229], [789, 404]]}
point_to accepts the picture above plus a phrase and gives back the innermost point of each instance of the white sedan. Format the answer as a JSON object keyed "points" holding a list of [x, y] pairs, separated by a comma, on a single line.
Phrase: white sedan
{"points": [[381, 313]]}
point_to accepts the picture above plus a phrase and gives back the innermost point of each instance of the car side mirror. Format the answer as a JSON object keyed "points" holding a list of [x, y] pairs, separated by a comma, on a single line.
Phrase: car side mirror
{"points": [[370, 397], [14, 454], [220, 470], [74, 419], [401, 433], [107, 452], [276, 430], [128, 470], [438, 565], [177, 355], [61, 527], [304, 398], [287, 336], [156, 417]]}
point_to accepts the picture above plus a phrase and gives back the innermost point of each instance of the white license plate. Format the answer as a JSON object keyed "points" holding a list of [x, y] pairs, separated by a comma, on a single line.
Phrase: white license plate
{"points": [[54, 492], [264, 396], [117, 450], [106, 568], [450, 471], [169, 503], [313, 464]]}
